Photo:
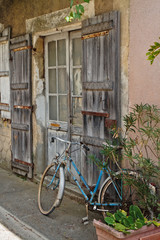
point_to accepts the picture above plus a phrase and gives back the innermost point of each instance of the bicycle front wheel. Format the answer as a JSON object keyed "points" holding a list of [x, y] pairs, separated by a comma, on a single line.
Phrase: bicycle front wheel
{"points": [[51, 188]]}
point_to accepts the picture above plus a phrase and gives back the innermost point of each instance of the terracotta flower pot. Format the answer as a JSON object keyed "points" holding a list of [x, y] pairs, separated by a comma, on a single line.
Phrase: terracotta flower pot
{"points": [[105, 232]]}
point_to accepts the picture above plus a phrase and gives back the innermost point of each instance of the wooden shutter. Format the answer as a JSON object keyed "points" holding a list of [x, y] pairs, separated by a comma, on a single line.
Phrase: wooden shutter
{"points": [[101, 98], [4, 73], [21, 105]]}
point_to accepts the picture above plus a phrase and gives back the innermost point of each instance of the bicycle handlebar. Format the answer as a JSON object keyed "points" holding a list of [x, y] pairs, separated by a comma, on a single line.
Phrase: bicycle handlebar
{"points": [[69, 142], [84, 146]]}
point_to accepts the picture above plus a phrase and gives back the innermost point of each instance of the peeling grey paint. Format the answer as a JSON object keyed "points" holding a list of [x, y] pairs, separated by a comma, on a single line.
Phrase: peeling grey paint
{"points": [[40, 86], [40, 109]]}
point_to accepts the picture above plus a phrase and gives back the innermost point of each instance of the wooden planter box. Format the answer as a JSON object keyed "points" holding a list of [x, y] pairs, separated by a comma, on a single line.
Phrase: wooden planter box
{"points": [[104, 232]]}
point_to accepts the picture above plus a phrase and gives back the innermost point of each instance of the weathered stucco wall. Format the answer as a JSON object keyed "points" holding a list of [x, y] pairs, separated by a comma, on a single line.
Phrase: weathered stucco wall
{"points": [[102, 6], [18, 11], [144, 78]]}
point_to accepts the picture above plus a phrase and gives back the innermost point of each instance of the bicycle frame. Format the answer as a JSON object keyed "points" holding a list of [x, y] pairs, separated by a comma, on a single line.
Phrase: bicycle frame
{"points": [[110, 192], [66, 158], [92, 193]]}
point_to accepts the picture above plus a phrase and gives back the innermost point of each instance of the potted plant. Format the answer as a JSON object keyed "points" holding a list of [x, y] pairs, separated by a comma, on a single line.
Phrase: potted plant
{"points": [[140, 150], [133, 226]]}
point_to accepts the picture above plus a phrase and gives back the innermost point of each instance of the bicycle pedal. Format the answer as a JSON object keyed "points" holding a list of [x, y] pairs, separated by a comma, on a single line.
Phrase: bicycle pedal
{"points": [[85, 223], [84, 220], [94, 207], [102, 210]]}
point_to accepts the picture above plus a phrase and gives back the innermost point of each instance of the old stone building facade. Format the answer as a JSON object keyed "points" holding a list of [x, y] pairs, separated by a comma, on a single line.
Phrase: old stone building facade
{"points": [[31, 32]]}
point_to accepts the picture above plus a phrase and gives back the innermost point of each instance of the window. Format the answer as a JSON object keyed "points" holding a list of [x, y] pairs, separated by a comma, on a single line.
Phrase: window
{"points": [[63, 73]]}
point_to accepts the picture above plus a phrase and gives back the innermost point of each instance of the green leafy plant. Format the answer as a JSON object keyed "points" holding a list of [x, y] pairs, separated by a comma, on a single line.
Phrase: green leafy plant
{"points": [[153, 51], [76, 12], [138, 145], [123, 222]]}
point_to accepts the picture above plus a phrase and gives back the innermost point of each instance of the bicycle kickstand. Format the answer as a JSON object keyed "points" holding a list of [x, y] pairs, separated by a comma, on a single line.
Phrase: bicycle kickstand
{"points": [[85, 219]]}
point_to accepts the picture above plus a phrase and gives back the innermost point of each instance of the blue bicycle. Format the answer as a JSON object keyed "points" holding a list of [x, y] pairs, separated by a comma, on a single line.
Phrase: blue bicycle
{"points": [[111, 193]]}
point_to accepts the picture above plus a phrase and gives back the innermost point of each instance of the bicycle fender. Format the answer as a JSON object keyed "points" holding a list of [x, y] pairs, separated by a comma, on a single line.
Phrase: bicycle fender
{"points": [[61, 187], [101, 188]]}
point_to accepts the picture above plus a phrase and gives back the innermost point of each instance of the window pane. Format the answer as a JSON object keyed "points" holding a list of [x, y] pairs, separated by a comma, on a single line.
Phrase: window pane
{"points": [[77, 51], [52, 81], [62, 81], [61, 51], [77, 83], [52, 53], [77, 108], [53, 108], [63, 108]]}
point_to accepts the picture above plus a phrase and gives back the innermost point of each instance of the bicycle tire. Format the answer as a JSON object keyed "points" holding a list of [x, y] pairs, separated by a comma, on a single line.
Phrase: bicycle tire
{"points": [[50, 193], [109, 195]]}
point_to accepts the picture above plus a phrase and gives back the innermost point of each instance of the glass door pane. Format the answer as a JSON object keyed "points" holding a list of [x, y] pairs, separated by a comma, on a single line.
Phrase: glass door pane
{"points": [[53, 108], [52, 81], [63, 108], [61, 52], [62, 81], [52, 53]]}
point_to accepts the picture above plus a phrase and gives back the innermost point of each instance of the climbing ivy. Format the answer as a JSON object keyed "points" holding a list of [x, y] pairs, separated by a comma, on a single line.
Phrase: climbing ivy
{"points": [[153, 51], [76, 12]]}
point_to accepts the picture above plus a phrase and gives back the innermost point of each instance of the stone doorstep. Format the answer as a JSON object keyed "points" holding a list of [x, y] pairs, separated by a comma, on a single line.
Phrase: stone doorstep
{"points": [[155, 236]]}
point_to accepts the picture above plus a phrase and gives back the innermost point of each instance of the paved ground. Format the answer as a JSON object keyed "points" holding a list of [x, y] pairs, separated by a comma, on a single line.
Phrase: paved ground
{"points": [[20, 214], [5, 234]]}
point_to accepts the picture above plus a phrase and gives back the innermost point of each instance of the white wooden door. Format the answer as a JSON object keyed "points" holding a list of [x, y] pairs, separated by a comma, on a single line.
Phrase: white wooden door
{"points": [[63, 67]]}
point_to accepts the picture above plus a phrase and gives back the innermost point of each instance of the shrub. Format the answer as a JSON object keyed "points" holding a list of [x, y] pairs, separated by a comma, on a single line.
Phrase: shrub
{"points": [[139, 145]]}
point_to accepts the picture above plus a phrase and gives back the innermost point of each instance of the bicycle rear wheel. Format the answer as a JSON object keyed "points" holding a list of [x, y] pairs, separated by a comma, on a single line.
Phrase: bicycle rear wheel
{"points": [[117, 193], [51, 188]]}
